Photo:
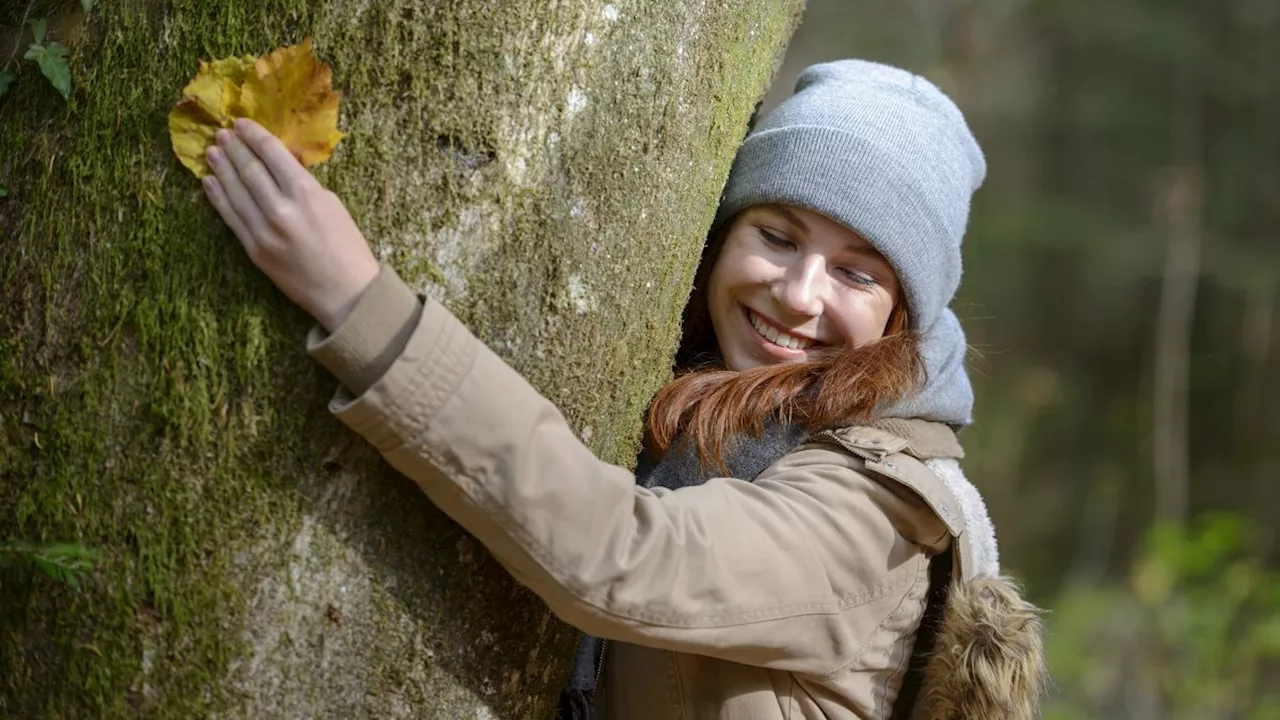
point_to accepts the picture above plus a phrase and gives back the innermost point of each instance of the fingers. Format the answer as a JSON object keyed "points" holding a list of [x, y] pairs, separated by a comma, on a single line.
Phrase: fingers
{"points": [[218, 197], [238, 198], [284, 167], [259, 182]]}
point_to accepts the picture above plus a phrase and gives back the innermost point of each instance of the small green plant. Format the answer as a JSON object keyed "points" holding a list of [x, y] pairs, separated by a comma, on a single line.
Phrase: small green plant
{"points": [[1193, 635], [64, 562], [51, 57]]}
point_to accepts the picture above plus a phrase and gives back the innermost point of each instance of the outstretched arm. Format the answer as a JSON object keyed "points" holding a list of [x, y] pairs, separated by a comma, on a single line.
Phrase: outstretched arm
{"points": [[768, 573]]}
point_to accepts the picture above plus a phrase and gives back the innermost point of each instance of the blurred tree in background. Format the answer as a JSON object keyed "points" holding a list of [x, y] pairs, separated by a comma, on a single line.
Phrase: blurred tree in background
{"points": [[1120, 291]]}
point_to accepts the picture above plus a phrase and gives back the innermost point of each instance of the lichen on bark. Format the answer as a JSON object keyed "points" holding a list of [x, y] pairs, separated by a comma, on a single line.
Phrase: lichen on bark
{"points": [[548, 169]]}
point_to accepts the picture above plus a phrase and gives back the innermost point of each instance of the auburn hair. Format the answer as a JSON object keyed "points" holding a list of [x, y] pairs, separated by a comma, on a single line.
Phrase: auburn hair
{"points": [[707, 403]]}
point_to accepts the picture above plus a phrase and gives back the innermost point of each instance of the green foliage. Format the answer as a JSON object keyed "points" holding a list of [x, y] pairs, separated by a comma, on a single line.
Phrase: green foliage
{"points": [[86, 4], [1192, 634], [39, 27], [64, 562], [51, 58]]}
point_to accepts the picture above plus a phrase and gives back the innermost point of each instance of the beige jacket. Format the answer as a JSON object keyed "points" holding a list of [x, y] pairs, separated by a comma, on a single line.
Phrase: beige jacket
{"points": [[794, 596]]}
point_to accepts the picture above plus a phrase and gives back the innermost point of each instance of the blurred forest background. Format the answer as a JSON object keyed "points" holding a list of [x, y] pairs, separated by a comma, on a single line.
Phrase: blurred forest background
{"points": [[1121, 282]]}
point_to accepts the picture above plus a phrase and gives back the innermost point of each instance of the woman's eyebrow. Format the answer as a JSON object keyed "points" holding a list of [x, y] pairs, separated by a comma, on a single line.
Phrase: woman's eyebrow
{"points": [[791, 217], [864, 250]]}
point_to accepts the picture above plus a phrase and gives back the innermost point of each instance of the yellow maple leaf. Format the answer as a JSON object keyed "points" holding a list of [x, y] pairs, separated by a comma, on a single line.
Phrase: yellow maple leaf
{"points": [[291, 95], [287, 92], [208, 103]]}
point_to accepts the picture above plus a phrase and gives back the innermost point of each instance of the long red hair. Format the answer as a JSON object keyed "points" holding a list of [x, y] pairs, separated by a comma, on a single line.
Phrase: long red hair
{"points": [[707, 403]]}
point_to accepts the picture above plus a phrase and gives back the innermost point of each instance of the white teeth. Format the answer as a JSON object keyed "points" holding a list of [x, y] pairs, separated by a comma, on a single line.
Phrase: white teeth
{"points": [[780, 339]]}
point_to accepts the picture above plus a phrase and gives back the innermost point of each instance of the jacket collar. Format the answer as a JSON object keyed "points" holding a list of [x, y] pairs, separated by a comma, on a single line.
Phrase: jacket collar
{"points": [[925, 440]]}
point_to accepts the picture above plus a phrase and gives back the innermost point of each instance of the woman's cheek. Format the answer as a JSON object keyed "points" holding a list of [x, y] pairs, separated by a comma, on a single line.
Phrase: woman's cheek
{"points": [[865, 321], [757, 268]]}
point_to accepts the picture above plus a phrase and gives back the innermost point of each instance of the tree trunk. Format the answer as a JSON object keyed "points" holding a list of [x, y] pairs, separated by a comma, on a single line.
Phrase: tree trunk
{"points": [[548, 169], [1182, 199]]}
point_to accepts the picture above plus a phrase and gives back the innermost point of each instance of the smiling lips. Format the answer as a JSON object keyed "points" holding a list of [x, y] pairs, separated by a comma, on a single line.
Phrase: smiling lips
{"points": [[776, 336]]}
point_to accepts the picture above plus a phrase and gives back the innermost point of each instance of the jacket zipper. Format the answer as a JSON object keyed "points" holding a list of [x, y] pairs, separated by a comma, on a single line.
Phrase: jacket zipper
{"points": [[604, 647], [861, 452]]}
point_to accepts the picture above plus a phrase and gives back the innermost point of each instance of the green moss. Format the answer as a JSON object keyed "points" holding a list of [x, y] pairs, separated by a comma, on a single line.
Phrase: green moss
{"points": [[550, 175]]}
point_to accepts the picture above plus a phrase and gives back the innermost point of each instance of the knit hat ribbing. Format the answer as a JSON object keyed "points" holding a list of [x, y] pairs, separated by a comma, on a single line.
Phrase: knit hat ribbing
{"points": [[883, 152]]}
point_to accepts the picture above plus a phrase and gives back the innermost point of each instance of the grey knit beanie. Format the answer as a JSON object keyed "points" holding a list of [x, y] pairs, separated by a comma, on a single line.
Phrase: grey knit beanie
{"points": [[885, 153]]}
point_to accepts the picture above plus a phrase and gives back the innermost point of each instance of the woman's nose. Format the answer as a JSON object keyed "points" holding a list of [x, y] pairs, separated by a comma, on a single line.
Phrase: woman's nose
{"points": [[803, 286]]}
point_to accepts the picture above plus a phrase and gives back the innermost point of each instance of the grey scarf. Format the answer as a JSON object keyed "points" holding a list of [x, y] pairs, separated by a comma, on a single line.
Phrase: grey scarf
{"points": [[745, 458]]}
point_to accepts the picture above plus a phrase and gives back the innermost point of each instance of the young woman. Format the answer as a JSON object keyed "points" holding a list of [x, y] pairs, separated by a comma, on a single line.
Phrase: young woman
{"points": [[798, 540]]}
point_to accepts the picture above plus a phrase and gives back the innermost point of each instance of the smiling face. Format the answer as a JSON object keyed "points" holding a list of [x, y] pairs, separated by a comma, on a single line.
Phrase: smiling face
{"points": [[789, 281]]}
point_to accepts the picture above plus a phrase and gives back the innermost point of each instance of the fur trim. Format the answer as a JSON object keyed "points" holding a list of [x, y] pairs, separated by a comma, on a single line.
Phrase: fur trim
{"points": [[978, 530], [988, 657]]}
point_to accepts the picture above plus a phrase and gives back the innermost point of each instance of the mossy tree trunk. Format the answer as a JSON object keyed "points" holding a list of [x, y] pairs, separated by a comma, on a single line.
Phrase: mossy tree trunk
{"points": [[548, 168]]}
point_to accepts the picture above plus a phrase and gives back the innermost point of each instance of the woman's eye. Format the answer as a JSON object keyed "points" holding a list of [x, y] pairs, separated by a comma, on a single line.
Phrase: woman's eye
{"points": [[776, 240], [856, 277]]}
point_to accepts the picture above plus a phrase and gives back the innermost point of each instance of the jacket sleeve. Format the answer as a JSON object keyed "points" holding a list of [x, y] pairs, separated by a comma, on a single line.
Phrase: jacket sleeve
{"points": [[762, 573]]}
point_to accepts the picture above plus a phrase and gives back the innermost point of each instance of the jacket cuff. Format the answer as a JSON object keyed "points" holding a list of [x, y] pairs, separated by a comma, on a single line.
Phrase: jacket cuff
{"points": [[376, 332], [439, 354]]}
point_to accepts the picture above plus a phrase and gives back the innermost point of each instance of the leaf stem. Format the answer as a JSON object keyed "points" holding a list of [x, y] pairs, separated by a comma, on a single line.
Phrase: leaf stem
{"points": [[17, 40]]}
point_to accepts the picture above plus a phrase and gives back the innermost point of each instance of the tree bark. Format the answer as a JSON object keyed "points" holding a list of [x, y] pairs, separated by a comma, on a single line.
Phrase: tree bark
{"points": [[548, 169]]}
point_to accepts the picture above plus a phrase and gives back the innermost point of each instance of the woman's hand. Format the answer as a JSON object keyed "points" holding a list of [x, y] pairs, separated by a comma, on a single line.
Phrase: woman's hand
{"points": [[294, 230]]}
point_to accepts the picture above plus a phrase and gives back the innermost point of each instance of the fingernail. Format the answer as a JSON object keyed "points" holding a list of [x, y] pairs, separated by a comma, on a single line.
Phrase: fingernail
{"points": [[212, 154], [223, 136], [207, 182], [240, 125]]}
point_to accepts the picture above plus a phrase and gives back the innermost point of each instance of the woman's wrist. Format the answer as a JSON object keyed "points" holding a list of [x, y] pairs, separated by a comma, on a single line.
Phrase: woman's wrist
{"points": [[332, 314], [371, 334]]}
